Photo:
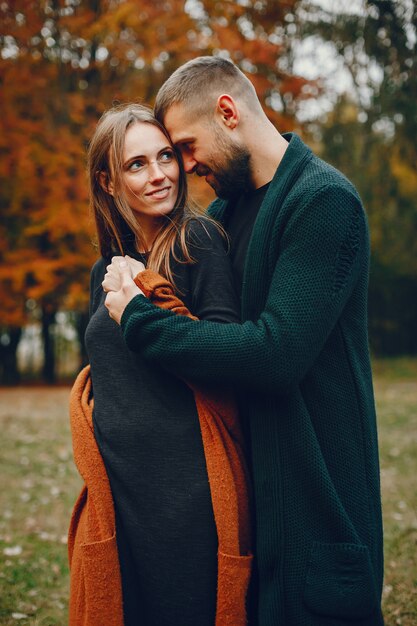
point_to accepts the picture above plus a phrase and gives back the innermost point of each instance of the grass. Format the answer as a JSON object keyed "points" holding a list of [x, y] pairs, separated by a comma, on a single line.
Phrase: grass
{"points": [[396, 397], [39, 485]]}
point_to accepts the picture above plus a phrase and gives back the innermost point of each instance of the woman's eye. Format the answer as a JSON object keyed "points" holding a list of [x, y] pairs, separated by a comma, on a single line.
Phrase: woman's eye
{"points": [[136, 165], [167, 156]]}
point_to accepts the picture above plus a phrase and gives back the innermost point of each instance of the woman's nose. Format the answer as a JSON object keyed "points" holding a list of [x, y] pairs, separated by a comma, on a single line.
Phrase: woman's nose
{"points": [[156, 173]]}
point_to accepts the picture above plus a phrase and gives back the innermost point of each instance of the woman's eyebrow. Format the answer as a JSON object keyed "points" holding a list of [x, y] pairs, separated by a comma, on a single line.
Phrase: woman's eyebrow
{"points": [[144, 156], [134, 157]]}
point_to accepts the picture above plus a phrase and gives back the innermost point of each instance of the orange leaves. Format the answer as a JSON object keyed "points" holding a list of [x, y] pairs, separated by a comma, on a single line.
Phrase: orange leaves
{"points": [[294, 85], [71, 61]]}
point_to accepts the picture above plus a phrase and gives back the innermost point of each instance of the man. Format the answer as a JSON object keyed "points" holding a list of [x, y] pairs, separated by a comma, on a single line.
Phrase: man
{"points": [[299, 360]]}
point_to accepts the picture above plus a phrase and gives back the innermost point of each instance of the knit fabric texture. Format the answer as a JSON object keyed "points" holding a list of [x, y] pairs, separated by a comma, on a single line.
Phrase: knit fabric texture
{"points": [[95, 583], [300, 363], [96, 593]]}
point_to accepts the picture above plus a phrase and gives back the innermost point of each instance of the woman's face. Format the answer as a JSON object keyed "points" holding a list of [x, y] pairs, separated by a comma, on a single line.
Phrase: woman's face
{"points": [[150, 172]]}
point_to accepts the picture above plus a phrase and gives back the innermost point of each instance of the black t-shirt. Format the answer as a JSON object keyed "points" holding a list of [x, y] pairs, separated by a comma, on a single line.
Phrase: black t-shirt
{"points": [[239, 224]]}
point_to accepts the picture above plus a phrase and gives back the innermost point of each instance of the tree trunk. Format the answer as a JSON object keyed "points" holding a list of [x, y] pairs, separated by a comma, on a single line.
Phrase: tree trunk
{"points": [[9, 372], [48, 370]]}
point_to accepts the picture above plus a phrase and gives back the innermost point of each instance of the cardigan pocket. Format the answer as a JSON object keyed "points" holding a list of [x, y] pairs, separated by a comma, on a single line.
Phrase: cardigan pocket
{"points": [[340, 582], [232, 586], [102, 581]]}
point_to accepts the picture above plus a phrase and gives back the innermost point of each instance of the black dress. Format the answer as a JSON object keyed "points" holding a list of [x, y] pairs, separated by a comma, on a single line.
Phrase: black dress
{"points": [[147, 429]]}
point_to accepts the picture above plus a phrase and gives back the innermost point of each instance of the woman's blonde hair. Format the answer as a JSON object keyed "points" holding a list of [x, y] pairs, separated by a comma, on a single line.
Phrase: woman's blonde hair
{"points": [[117, 226]]}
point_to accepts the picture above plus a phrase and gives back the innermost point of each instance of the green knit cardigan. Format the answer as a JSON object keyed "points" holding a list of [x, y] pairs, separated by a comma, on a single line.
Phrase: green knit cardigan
{"points": [[300, 364]]}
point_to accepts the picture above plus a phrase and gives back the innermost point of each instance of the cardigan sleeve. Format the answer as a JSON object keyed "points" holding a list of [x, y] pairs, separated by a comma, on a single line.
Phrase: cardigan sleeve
{"points": [[322, 253]]}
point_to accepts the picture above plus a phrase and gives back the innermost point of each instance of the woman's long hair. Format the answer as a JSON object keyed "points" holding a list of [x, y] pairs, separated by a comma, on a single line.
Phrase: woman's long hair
{"points": [[117, 226]]}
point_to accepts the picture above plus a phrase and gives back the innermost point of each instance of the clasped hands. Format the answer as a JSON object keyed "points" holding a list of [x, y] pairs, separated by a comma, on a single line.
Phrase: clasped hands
{"points": [[119, 285]]}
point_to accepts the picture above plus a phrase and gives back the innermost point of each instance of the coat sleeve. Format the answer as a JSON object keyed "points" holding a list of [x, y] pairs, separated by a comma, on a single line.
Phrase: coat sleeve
{"points": [[322, 253], [160, 292]]}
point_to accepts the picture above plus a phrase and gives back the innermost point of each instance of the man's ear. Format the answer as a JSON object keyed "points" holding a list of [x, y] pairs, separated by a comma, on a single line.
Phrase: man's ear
{"points": [[105, 182], [227, 110]]}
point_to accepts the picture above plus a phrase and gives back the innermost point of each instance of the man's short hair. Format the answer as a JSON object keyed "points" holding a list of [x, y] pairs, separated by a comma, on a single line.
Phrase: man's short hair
{"points": [[198, 84]]}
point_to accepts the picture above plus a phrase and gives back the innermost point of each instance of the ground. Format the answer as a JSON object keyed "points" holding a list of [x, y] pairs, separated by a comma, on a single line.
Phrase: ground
{"points": [[39, 485]]}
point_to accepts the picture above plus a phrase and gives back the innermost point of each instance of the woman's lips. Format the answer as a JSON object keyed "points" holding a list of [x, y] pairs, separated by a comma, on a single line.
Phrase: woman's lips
{"points": [[160, 194]]}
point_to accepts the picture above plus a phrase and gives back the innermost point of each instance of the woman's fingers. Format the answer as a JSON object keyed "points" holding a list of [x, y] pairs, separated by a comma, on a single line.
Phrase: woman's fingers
{"points": [[135, 266], [111, 280], [116, 301]]}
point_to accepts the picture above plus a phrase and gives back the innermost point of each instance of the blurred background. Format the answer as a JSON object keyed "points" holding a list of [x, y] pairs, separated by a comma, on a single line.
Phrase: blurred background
{"points": [[341, 73]]}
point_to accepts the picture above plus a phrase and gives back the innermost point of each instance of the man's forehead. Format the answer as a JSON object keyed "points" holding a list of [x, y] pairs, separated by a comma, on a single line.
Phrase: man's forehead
{"points": [[177, 123]]}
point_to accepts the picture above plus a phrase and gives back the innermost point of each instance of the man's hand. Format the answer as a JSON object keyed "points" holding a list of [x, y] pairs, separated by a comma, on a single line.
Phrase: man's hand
{"points": [[116, 301], [112, 279]]}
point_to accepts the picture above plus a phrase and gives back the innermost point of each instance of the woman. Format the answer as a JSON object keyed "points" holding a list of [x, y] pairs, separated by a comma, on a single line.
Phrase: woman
{"points": [[166, 482]]}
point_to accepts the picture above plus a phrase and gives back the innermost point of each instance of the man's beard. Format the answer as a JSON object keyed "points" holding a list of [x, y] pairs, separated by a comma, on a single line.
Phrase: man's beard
{"points": [[234, 177]]}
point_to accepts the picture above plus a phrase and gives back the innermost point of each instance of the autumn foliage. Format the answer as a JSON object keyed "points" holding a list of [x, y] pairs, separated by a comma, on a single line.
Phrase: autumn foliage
{"points": [[62, 63]]}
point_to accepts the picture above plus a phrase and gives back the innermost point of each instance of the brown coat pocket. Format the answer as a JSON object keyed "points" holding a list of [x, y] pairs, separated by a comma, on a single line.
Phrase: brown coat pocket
{"points": [[340, 582], [233, 580], [97, 585]]}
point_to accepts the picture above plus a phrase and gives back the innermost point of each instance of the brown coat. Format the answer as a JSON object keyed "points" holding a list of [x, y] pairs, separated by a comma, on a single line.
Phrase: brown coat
{"points": [[96, 591]]}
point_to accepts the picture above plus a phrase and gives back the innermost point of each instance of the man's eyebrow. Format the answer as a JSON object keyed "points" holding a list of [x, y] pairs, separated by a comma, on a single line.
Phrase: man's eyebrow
{"points": [[182, 140]]}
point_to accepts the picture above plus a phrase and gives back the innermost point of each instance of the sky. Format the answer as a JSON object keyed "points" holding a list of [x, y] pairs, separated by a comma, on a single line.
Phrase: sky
{"points": [[315, 59]]}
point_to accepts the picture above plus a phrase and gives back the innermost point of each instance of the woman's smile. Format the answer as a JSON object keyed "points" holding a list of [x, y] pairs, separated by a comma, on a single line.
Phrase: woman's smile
{"points": [[160, 193], [150, 173]]}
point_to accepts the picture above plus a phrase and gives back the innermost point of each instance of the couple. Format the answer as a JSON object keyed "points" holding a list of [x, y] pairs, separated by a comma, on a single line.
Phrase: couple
{"points": [[259, 306]]}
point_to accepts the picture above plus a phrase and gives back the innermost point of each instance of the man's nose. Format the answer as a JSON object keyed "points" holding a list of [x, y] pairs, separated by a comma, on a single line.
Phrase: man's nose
{"points": [[189, 163]]}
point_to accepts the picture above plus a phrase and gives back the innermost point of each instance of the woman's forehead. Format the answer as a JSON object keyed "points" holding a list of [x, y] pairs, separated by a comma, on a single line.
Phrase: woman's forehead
{"points": [[144, 139]]}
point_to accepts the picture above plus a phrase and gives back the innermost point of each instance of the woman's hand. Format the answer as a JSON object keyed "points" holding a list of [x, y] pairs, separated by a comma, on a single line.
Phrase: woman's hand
{"points": [[136, 267], [112, 280], [117, 300]]}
